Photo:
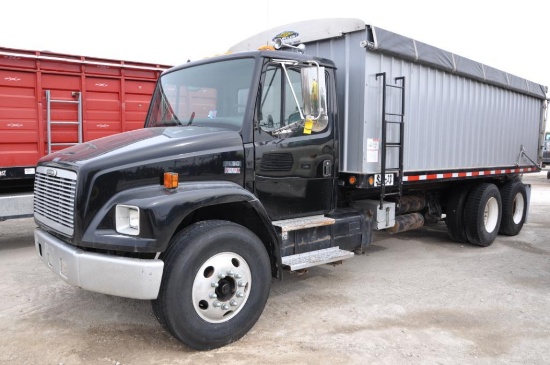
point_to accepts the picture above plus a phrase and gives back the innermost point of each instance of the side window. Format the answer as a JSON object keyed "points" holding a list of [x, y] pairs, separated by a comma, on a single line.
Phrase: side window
{"points": [[270, 103], [292, 114], [280, 103]]}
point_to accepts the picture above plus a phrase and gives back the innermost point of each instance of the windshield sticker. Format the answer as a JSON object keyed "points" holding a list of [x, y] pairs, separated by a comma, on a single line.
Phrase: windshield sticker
{"points": [[212, 114], [285, 36]]}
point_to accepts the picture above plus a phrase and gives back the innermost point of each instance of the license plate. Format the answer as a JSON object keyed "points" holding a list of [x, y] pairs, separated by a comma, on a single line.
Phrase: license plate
{"points": [[378, 180]]}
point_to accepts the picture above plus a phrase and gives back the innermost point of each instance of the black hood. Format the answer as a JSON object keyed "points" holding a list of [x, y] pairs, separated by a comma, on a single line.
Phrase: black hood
{"points": [[138, 159], [144, 145]]}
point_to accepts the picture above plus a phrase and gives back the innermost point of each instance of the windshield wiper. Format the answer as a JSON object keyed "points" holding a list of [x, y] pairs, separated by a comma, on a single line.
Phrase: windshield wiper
{"points": [[190, 119]]}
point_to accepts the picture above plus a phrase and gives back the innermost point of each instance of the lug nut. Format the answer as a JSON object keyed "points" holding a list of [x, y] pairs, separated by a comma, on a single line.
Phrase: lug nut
{"points": [[215, 284], [233, 303], [213, 295], [216, 304], [225, 306], [242, 284], [230, 273], [221, 275], [238, 276], [240, 294]]}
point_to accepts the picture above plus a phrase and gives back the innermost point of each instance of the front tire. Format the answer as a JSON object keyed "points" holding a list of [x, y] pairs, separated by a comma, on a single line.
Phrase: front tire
{"points": [[482, 214], [216, 282]]}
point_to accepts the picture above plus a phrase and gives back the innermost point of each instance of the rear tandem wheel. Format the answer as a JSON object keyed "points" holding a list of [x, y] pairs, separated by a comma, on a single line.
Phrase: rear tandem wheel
{"points": [[514, 207], [483, 214]]}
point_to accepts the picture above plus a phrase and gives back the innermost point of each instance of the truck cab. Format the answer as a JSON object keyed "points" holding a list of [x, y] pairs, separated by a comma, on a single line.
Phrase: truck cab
{"points": [[283, 160], [242, 147]]}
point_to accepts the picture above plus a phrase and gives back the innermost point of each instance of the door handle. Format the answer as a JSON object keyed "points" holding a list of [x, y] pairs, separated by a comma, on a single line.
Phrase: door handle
{"points": [[327, 168]]}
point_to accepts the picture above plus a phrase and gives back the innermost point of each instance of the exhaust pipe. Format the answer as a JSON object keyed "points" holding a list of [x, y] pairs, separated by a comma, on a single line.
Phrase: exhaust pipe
{"points": [[406, 222]]}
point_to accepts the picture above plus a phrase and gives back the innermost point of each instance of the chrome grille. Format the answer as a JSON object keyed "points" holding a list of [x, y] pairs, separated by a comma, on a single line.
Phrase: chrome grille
{"points": [[54, 198]]}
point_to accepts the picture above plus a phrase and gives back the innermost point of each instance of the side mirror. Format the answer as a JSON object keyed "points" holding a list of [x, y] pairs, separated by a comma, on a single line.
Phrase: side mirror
{"points": [[314, 95]]}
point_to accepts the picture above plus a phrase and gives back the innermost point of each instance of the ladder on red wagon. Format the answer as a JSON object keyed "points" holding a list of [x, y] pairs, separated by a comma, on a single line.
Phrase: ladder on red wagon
{"points": [[50, 123]]}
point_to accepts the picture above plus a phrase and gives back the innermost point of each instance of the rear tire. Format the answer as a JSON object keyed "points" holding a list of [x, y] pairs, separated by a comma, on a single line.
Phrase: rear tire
{"points": [[216, 282], [514, 207], [482, 214], [455, 215]]}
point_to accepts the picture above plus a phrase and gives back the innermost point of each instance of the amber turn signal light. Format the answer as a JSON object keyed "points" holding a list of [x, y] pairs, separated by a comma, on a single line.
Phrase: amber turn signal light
{"points": [[352, 180], [170, 180]]}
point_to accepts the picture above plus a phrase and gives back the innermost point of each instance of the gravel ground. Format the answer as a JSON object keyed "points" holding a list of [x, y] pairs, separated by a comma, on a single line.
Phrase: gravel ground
{"points": [[413, 298]]}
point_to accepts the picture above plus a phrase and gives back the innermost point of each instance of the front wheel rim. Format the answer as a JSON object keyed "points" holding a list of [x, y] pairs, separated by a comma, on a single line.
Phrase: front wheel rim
{"points": [[221, 287], [490, 215]]}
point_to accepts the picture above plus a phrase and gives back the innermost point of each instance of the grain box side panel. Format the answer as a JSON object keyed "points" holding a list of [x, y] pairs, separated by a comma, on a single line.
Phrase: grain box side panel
{"points": [[451, 122]]}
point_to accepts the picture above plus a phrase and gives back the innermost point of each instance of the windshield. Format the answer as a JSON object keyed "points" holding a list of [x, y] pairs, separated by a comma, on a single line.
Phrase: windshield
{"points": [[209, 95]]}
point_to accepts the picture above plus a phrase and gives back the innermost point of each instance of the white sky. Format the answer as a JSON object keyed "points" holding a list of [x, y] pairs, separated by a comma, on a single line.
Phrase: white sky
{"points": [[509, 35]]}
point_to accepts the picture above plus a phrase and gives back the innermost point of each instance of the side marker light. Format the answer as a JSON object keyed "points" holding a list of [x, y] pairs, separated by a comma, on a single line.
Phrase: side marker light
{"points": [[170, 180]]}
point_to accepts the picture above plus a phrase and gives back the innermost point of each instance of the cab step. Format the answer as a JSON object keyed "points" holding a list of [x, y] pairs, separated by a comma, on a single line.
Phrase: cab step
{"points": [[314, 258], [296, 224]]}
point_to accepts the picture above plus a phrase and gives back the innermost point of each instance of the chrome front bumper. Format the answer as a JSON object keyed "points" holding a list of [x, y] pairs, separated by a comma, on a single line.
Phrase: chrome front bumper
{"points": [[120, 276]]}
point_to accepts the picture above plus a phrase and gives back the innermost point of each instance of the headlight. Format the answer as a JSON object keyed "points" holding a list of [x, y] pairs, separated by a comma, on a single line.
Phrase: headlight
{"points": [[127, 219]]}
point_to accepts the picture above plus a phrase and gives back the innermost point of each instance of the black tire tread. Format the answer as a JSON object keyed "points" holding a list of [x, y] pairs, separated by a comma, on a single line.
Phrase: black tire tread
{"points": [[161, 306], [158, 304], [508, 192], [455, 215], [473, 212]]}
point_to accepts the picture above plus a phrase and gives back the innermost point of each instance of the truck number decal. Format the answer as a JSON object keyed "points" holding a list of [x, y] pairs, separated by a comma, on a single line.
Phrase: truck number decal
{"points": [[378, 180]]}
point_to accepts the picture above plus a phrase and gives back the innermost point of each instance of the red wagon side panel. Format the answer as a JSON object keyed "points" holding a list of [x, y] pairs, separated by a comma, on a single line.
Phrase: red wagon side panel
{"points": [[99, 96]]}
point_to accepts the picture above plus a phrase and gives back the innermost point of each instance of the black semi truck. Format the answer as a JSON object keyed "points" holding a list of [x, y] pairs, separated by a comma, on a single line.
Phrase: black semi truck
{"points": [[271, 158]]}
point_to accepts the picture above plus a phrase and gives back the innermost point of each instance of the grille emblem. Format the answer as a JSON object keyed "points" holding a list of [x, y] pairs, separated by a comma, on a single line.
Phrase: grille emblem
{"points": [[51, 172]]}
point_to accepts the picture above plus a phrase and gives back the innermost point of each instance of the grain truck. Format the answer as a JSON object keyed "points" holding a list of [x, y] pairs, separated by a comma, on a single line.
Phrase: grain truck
{"points": [[50, 101], [289, 151]]}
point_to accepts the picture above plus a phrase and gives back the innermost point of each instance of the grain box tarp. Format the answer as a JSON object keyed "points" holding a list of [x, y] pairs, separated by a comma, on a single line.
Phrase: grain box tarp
{"points": [[410, 49]]}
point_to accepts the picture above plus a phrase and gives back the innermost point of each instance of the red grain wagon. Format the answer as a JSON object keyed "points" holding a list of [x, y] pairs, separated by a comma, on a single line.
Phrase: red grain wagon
{"points": [[49, 101]]}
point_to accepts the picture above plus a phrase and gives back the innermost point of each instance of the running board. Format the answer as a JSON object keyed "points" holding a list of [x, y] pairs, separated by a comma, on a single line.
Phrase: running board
{"points": [[314, 258], [296, 224]]}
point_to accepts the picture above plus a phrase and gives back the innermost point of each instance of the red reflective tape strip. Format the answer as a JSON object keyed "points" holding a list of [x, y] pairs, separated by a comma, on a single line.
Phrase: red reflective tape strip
{"points": [[450, 175]]}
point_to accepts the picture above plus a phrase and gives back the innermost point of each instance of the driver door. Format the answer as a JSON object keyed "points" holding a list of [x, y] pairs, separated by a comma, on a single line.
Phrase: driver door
{"points": [[294, 168]]}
